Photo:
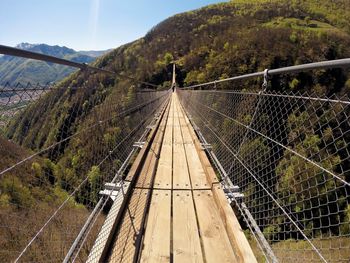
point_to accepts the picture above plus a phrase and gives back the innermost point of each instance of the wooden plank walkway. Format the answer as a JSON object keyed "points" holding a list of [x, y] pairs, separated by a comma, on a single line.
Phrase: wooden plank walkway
{"points": [[176, 210]]}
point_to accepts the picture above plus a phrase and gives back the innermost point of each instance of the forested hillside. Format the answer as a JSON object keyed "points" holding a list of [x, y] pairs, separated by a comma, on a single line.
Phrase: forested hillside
{"points": [[210, 43], [235, 38], [213, 42]]}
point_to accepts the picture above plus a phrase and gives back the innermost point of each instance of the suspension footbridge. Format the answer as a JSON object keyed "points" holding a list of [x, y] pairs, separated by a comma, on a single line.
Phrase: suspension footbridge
{"points": [[191, 168], [188, 217]]}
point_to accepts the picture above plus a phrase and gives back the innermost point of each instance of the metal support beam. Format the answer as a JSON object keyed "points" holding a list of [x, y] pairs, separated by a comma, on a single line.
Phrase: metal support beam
{"points": [[11, 51], [139, 144]]}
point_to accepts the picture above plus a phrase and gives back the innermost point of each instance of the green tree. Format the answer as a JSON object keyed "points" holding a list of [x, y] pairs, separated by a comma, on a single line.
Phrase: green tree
{"points": [[94, 178], [12, 190], [168, 58], [303, 187]]}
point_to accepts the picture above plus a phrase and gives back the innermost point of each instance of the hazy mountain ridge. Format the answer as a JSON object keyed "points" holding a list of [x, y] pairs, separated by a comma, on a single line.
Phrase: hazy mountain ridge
{"points": [[93, 53], [19, 70]]}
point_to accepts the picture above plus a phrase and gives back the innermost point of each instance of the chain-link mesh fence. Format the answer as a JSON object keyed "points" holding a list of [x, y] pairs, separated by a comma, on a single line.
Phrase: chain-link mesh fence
{"points": [[14, 98], [289, 154], [122, 244], [59, 147]]}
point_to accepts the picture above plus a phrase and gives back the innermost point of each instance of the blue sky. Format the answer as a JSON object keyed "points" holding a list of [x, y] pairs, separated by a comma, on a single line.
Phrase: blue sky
{"points": [[85, 24]]}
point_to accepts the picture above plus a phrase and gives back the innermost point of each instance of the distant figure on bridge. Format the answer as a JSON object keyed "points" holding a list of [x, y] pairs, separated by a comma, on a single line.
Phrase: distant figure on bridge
{"points": [[173, 82]]}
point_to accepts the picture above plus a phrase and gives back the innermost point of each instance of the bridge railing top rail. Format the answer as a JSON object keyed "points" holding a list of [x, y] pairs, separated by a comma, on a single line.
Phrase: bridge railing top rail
{"points": [[338, 63], [334, 98]]}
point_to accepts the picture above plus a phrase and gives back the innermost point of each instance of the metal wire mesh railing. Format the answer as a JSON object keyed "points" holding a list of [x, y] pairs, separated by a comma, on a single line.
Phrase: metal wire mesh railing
{"points": [[14, 98], [289, 153], [125, 239], [73, 140]]}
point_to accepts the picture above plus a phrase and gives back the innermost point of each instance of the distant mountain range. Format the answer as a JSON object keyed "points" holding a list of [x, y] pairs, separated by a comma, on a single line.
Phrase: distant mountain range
{"points": [[19, 70]]}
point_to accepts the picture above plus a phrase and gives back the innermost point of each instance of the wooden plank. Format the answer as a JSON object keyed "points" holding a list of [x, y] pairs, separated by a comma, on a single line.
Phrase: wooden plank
{"points": [[216, 244], [234, 231], [145, 178], [186, 241], [163, 176], [196, 172], [143, 153], [186, 135], [156, 244], [181, 178], [177, 131], [168, 136], [208, 169], [167, 113]]}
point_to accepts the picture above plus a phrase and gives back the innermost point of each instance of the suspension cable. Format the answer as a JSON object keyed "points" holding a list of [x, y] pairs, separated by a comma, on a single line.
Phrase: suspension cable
{"points": [[6, 50]]}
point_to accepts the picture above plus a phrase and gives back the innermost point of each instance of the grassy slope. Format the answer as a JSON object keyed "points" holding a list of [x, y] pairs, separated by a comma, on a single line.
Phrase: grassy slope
{"points": [[335, 12]]}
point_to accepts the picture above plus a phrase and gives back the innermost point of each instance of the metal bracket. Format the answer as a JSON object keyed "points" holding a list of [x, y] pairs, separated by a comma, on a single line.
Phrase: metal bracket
{"points": [[232, 192], [111, 190], [266, 78], [138, 144], [231, 189], [206, 146], [234, 196]]}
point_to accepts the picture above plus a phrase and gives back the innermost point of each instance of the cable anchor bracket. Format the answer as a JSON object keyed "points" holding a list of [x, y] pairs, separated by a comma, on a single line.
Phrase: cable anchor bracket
{"points": [[266, 79]]}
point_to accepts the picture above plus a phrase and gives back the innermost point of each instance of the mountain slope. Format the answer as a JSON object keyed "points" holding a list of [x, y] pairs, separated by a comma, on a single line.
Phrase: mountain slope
{"points": [[213, 42], [18, 70]]}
